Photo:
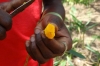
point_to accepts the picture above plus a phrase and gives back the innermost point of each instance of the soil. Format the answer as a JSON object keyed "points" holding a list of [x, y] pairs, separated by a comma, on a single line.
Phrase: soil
{"points": [[85, 14]]}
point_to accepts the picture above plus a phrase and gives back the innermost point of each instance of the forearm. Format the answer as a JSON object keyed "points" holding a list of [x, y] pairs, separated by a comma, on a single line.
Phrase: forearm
{"points": [[54, 6]]}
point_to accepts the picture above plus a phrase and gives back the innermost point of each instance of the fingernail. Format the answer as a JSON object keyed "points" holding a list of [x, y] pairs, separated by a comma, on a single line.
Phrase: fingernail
{"points": [[27, 43], [37, 31], [65, 44], [32, 39]]}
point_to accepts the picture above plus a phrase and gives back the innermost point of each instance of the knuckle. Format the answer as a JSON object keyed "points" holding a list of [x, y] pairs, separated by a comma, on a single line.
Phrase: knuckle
{"points": [[6, 6], [48, 56], [34, 48], [2, 5], [42, 61], [59, 52]]}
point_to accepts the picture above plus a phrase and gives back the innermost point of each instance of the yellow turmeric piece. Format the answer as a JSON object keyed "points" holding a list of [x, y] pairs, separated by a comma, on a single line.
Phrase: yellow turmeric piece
{"points": [[50, 31]]}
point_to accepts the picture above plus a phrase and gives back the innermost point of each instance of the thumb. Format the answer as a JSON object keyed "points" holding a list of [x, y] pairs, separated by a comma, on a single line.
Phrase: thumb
{"points": [[51, 18]]}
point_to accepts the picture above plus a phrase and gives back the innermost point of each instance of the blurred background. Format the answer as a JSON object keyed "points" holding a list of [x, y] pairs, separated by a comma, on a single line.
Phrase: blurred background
{"points": [[83, 23]]}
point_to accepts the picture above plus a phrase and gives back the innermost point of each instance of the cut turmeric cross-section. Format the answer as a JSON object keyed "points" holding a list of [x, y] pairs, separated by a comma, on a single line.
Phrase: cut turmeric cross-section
{"points": [[50, 31]]}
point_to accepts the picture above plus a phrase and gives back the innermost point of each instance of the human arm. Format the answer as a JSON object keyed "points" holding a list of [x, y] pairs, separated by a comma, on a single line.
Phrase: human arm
{"points": [[15, 5], [41, 48], [6, 18]]}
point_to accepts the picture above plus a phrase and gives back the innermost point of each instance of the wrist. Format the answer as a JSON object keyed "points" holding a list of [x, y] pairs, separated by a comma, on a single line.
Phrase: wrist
{"points": [[57, 8], [53, 13]]}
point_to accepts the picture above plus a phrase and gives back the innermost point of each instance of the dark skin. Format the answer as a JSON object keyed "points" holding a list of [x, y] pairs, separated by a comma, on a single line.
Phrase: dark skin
{"points": [[6, 18], [39, 47]]}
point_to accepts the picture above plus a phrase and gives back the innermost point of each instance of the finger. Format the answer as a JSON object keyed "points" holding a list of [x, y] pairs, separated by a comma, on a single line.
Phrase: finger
{"points": [[5, 20], [34, 52], [21, 7], [55, 46], [47, 54], [2, 33], [66, 37], [6, 6], [29, 50], [51, 19]]}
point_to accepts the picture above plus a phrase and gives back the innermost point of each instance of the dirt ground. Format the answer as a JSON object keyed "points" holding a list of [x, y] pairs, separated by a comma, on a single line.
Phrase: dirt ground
{"points": [[85, 14]]}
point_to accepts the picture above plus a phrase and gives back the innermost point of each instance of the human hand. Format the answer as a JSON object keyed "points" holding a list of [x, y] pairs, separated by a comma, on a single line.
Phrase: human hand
{"points": [[11, 5], [6, 18], [40, 48], [5, 23]]}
